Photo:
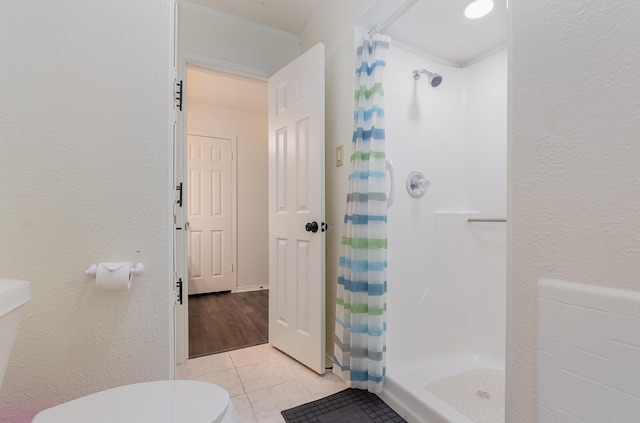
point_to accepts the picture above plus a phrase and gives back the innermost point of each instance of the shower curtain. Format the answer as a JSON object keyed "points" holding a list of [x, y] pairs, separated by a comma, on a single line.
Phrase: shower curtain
{"points": [[360, 345]]}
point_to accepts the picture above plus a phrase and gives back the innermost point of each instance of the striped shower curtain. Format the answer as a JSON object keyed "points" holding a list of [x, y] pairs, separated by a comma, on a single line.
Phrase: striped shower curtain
{"points": [[360, 339]]}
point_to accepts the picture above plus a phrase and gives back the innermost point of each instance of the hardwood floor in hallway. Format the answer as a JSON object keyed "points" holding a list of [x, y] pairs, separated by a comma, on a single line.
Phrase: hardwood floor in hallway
{"points": [[224, 321]]}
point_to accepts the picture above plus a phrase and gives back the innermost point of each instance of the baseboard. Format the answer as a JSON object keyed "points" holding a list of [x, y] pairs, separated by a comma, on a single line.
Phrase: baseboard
{"points": [[328, 360], [252, 288]]}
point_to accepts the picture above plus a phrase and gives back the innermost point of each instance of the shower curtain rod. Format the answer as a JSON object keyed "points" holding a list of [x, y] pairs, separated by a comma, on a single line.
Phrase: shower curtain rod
{"points": [[401, 10]]}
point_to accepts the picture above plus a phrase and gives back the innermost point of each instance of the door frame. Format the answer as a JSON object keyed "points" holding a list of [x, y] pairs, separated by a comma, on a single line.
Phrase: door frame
{"points": [[234, 201], [186, 61]]}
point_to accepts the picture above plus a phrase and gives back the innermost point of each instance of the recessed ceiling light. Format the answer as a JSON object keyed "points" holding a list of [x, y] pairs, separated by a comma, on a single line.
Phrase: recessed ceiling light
{"points": [[478, 8]]}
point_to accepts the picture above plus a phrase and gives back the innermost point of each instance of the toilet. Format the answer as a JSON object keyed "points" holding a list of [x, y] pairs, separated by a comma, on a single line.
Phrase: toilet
{"points": [[165, 401]]}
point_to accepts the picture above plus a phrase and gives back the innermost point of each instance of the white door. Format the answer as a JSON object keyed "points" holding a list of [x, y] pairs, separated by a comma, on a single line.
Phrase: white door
{"points": [[296, 203], [210, 186]]}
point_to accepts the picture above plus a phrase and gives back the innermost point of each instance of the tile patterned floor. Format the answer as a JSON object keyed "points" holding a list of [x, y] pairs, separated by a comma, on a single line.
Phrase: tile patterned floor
{"points": [[261, 381]]}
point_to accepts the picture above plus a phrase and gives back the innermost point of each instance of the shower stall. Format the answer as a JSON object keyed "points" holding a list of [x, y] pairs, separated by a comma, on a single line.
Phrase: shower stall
{"points": [[447, 248]]}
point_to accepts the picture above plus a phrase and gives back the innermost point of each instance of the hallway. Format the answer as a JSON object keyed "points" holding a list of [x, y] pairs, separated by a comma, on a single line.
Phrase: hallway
{"points": [[227, 321]]}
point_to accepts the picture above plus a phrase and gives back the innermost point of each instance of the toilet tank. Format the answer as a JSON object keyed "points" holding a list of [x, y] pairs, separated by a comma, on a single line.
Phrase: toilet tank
{"points": [[13, 295]]}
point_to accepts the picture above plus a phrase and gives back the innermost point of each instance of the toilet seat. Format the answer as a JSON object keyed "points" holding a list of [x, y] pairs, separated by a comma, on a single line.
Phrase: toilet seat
{"points": [[168, 401]]}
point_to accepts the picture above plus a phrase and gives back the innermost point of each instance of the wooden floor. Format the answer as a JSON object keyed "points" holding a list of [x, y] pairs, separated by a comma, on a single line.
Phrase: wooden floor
{"points": [[224, 321]]}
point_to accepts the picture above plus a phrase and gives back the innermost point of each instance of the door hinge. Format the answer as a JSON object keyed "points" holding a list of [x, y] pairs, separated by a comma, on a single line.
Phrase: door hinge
{"points": [[179, 95], [179, 293], [179, 194]]}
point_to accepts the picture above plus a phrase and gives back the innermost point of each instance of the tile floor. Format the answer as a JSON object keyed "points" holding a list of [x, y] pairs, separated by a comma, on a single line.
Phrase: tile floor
{"points": [[261, 381]]}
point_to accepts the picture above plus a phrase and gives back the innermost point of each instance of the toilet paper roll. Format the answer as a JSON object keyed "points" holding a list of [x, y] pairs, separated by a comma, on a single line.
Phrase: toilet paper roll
{"points": [[113, 276]]}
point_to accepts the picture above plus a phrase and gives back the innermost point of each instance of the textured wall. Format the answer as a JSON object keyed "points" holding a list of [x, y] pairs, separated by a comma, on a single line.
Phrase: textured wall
{"points": [[84, 165], [343, 16], [338, 131], [253, 193], [575, 179]]}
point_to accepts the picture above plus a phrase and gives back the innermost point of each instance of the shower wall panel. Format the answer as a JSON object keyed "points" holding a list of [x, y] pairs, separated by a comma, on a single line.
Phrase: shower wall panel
{"points": [[446, 275]]}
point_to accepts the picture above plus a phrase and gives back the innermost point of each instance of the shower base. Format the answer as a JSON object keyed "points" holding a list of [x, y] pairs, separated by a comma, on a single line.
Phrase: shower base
{"points": [[448, 390], [478, 394]]}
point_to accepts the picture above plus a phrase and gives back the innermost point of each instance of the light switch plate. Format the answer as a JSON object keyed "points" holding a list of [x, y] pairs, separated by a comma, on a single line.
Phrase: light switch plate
{"points": [[339, 156]]}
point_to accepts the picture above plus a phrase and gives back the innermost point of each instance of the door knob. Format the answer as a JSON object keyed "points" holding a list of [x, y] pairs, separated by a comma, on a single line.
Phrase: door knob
{"points": [[311, 227]]}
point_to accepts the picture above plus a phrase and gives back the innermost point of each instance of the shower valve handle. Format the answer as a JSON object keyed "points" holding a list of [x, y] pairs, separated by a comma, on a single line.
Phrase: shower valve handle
{"points": [[311, 227]]}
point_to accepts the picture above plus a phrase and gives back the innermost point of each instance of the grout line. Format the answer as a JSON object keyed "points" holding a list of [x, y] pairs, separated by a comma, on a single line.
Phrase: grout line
{"points": [[289, 363]]}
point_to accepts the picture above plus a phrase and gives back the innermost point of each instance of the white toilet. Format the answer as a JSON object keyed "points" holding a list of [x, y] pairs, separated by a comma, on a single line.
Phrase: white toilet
{"points": [[168, 401]]}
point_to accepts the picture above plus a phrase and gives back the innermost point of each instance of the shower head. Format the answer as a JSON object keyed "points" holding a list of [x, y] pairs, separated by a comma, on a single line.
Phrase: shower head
{"points": [[434, 78]]}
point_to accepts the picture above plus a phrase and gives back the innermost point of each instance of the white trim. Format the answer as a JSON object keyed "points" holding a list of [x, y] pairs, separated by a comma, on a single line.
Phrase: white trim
{"points": [[328, 359], [224, 67], [173, 351], [253, 288], [393, 17], [485, 55], [179, 164], [421, 53], [251, 25]]}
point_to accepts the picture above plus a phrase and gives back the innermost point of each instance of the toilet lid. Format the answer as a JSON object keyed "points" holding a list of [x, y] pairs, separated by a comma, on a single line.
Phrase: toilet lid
{"points": [[169, 401]]}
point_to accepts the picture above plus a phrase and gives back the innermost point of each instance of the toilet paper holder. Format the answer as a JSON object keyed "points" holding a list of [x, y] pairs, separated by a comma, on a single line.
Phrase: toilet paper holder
{"points": [[136, 269]]}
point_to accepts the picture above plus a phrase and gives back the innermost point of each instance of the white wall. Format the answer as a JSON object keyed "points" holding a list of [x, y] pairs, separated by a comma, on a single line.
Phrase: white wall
{"points": [[251, 130], [338, 38], [338, 131], [227, 41], [575, 179], [342, 16], [84, 165], [485, 98]]}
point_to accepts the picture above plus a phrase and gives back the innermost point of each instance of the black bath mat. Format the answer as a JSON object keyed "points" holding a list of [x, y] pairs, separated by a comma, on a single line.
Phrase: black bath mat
{"points": [[348, 406]]}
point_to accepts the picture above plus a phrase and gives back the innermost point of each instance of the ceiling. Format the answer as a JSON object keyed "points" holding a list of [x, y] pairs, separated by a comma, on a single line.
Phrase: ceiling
{"points": [[436, 28], [439, 29], [287, 15]]}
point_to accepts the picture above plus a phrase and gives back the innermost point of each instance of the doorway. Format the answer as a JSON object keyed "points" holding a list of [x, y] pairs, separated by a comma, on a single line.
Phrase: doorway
{"points": [[293, 186], [227, 171]]}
